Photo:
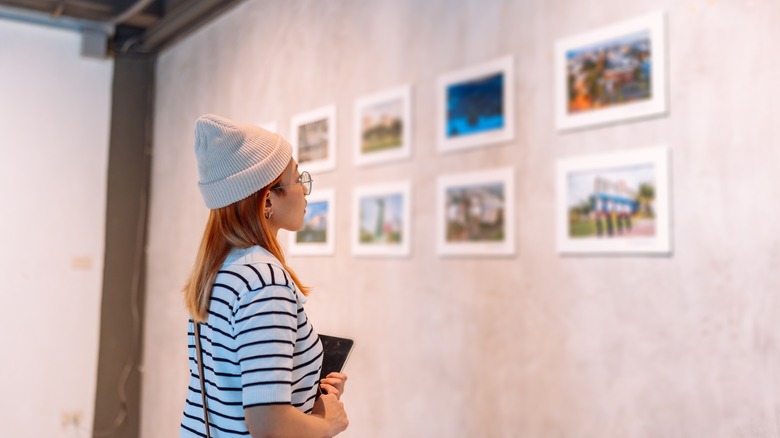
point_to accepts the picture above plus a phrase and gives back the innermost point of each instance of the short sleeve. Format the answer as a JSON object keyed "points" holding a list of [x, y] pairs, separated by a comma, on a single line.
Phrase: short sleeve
{"points": [[265, 327]]}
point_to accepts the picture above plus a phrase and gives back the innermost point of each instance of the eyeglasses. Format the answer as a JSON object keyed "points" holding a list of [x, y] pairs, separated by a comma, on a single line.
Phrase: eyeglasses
{"points": [[305, 180]]}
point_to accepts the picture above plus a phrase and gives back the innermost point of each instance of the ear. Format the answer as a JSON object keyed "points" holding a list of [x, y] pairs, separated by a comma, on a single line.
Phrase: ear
{"points": [[268, 207]]}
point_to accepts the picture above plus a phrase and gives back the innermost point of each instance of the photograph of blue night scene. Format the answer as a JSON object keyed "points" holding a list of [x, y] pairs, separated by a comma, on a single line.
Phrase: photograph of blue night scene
{"points": [[475, 106]]}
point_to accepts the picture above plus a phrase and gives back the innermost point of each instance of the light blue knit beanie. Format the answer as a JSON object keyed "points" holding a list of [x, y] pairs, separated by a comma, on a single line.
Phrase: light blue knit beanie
{"points": [[236, 159]]}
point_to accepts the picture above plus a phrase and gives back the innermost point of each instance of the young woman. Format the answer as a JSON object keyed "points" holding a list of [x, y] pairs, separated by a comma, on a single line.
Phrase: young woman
{"points": [[261, 357]]}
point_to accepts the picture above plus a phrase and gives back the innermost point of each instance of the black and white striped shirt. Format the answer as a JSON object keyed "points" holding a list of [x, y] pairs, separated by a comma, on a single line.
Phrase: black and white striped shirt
{"points": [[258, 346]]}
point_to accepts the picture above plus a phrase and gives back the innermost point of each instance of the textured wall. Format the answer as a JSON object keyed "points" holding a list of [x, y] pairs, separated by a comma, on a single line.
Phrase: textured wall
{"points": [[54, 121], [532, 345]]}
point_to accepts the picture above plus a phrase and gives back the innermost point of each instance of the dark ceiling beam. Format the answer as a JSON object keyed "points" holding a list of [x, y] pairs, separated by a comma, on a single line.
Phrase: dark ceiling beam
{"points": [[89, 5], [34, 16], [70, 12], [142, 20], [83, 9], [135, 28], [131, 11], [181, 21]]}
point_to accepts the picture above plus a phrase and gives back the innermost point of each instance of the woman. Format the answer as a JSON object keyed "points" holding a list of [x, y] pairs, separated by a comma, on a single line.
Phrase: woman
{"points": [[261, 356]]}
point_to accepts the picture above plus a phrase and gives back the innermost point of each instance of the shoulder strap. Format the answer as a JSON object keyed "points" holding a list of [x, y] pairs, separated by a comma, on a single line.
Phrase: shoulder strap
{"points": [[200, 374]]}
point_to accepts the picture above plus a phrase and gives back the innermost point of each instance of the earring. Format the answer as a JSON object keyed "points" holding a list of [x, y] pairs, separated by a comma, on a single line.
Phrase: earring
{"points": [[268, 214]]}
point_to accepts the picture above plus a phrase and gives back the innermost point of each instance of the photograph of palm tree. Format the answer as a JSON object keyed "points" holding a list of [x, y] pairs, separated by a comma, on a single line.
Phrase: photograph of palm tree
{"points": [[381, 219], [612, 203]]}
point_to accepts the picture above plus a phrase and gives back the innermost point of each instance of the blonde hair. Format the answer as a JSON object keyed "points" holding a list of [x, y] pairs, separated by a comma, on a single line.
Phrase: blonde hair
{"points": [[238, 225]]}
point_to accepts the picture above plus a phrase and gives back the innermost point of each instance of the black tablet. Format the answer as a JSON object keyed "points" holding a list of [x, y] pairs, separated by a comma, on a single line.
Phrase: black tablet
{"points": [[335, 352]]}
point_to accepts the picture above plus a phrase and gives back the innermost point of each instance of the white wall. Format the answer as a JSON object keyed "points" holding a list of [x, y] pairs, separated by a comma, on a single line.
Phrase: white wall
{"points": [[537, 345], [54, 125]]}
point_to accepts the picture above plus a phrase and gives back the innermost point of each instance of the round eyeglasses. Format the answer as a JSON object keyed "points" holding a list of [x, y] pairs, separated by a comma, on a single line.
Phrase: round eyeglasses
{"points": [[304, 180]]}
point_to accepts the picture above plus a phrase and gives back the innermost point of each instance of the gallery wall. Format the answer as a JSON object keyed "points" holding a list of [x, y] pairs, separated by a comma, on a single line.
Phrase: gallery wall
{"points": [[535, 343], [54, 123]]}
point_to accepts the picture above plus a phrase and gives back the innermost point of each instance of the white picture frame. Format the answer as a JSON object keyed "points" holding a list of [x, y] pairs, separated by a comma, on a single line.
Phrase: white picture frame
{"points": [[603, 208], [475, 213], [320, 154], [493, 82], [611, 74], [381, 219], [319, 229], [391, 107]]}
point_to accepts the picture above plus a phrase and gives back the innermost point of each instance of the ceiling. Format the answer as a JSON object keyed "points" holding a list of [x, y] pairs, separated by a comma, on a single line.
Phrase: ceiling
{"points": [[119, 26]]}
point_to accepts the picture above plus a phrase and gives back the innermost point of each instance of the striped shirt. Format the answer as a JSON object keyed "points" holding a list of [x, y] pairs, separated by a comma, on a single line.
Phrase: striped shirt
{"points": [[258, 346]]}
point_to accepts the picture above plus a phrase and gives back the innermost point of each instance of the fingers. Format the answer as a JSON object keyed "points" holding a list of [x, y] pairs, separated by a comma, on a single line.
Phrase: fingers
{"points": [[330, 389], [336, 383], [333, 383], [340, 376]]}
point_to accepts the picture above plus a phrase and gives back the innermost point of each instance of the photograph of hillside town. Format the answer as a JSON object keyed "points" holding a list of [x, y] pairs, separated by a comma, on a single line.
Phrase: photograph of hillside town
{"points": [[609, 73]]}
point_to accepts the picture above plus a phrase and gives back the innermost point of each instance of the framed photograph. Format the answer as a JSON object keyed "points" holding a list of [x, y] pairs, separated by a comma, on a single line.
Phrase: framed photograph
{"points": [[313, 138], [381, 220], [475, 213], [475, 106], [319, 226], [383, 126], [615, 203], [611, 74]]}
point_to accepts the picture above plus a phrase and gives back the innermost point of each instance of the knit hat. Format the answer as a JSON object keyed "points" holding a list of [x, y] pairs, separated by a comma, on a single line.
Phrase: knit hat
{"points": [[236, 159]]}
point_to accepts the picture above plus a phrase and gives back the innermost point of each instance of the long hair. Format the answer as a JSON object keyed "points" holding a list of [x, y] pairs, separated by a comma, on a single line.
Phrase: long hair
{"points": [[238, 225]]}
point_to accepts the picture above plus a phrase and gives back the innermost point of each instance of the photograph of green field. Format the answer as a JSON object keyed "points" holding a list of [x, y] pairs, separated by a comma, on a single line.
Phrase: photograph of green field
{"points": [[382, 127]]}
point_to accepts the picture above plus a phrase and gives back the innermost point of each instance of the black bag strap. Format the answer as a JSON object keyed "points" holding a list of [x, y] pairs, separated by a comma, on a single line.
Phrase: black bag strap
{"points": [[202, 382]]}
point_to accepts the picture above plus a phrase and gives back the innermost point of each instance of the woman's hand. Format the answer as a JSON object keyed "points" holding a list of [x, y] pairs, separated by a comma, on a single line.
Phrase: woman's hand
{"points": [[333, 383], [331, 409]]}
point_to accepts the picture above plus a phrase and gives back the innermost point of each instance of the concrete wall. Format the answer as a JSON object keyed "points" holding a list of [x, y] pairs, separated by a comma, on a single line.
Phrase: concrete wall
{"points": [[536, 344], [54, 122]]}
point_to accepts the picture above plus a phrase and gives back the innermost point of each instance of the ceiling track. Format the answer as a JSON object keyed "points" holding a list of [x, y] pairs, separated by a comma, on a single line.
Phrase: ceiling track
{"points": [[46, 19], [156, 34], [181, 21], [130, 12]]}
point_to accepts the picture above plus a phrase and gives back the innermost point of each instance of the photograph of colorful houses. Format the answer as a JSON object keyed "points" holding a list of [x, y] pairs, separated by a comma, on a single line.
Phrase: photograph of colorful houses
{"points": [[475, 213], [313, 141], [612, 72]]}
